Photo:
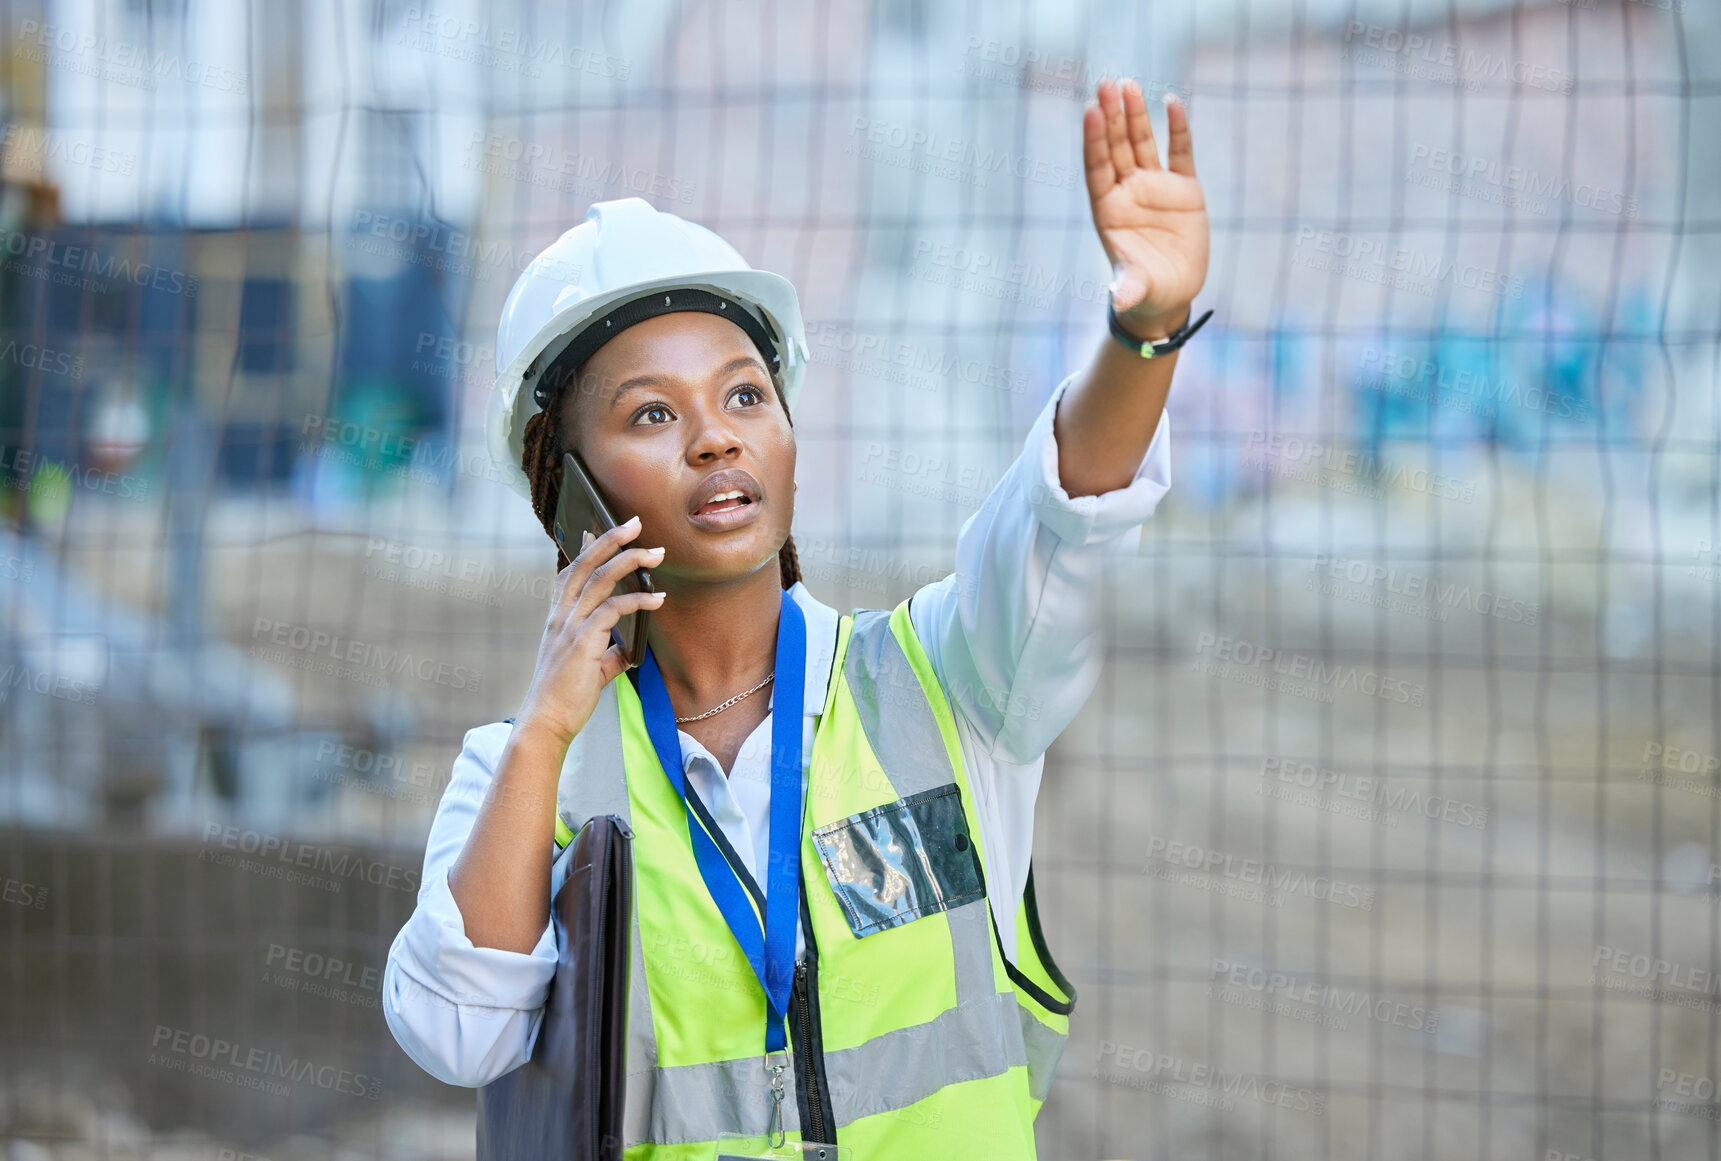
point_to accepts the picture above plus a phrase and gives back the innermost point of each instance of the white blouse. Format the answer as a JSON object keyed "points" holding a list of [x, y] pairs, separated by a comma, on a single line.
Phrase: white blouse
{"points": [[1014, 637]]}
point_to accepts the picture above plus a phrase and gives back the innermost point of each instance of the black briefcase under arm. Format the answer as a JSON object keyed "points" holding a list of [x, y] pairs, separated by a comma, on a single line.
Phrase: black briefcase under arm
{"points": [[566, 1101]]}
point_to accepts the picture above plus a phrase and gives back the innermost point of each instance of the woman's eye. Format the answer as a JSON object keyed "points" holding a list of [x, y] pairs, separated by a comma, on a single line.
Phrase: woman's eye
{"points": [[747, 393]]}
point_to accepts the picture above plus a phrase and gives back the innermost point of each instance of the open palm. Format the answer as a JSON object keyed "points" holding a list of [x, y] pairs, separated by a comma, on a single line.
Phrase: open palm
{"points": [[1151, 218]]}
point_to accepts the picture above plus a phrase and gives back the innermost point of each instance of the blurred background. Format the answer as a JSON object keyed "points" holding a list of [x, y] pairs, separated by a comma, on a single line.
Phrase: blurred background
{"points": [[1391, 828]]}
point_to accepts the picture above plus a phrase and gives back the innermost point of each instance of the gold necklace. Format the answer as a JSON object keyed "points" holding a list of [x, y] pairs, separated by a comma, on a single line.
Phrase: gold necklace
{"points": [[730, 702]]}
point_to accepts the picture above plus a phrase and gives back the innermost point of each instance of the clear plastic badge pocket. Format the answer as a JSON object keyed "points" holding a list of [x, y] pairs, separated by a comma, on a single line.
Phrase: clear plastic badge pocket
{"points": [[733, 1147], [901, 861]]}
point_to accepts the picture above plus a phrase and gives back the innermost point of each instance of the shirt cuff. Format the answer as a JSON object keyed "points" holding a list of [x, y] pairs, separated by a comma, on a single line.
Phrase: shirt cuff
{"points": [[434, 947], [1108, 515]]}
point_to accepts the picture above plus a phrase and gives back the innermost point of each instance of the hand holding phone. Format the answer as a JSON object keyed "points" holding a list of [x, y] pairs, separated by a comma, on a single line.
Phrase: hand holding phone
{"points": [[582, 508], [579, 655]]}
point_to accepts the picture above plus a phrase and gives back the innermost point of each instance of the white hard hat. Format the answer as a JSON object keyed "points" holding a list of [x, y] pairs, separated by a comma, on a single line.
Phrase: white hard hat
{"points": [[622, 250]]}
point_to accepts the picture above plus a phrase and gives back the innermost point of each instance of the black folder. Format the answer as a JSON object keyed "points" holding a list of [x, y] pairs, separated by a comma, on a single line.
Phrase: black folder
{"points": [[566, 1101]]}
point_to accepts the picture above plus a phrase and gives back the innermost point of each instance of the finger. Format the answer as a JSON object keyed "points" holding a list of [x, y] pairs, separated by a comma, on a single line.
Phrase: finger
{"points": [[1180, 149], [608, 575], [1096, 157], [571, 581], [612, 664], [612, 539], [1144, 147], [1117, 130], [604, 618], [585, 543]]}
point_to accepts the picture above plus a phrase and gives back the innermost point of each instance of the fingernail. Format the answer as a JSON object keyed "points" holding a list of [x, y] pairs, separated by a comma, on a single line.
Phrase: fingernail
{"points": [[585, 537], [631, 520], [655, 550]]}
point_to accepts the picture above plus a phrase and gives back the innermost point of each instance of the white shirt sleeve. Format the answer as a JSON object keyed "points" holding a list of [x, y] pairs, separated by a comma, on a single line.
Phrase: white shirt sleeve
{"points": [[1014, 633], [465, 1014]]}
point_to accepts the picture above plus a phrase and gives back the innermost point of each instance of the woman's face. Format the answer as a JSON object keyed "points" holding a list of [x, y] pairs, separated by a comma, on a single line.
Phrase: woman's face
{"points": [[657, 413]]}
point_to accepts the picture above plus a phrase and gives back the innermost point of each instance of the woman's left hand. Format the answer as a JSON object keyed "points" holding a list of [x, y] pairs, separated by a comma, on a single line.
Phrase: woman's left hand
{"points": [[1151, 218]]}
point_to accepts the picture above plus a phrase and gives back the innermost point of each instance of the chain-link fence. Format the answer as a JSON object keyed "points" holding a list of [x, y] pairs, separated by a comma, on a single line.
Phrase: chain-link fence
{"points": [[1390, 829]]}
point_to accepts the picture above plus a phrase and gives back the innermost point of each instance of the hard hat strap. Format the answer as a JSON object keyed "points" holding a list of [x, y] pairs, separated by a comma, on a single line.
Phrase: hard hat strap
{"points": [[601, 330]]}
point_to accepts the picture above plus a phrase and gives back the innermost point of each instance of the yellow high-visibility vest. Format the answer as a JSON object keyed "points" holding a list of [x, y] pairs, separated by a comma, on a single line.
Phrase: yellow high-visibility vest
{"points": [[911, 1036]]}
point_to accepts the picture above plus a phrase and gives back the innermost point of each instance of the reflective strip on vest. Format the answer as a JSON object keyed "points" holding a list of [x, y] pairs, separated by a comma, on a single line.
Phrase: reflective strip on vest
{"points": [[911, 750], [679, 1105], [1043, 1046], [915, 759], [897, 1069]]}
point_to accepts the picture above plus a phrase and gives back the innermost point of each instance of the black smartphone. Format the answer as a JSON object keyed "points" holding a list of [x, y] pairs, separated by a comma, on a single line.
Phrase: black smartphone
{"points": [[581, 507]]}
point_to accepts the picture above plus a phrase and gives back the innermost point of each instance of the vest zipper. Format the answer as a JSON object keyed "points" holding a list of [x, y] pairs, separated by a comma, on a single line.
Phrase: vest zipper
{"points": [[812, 1089]]}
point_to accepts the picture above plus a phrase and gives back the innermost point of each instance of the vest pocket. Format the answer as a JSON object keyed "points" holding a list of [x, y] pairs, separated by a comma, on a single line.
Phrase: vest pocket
{"points": [[901, 861]]}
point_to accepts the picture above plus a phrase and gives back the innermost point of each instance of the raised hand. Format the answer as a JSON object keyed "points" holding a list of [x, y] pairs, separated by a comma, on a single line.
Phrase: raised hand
{"points": [[1151, 218]]}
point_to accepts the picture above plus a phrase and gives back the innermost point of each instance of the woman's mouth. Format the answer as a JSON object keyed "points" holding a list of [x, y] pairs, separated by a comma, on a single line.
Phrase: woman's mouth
{"points": [[724, 501], [727, 499]]}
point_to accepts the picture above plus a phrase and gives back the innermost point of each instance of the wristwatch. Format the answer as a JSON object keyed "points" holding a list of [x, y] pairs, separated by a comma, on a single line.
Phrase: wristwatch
{"points": [[1145, 348]]}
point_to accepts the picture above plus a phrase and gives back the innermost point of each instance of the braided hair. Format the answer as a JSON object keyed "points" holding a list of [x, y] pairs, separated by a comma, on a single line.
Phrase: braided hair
{"points": [[542, 463]]}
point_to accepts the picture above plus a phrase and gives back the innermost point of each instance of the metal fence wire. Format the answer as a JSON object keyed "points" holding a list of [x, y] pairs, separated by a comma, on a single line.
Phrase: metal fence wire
{"points": [[1390, 827]]}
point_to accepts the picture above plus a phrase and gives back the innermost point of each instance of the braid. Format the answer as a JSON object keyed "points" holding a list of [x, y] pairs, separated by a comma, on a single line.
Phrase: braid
{"points": [[543, 470], [542, 463], [788, 564]]}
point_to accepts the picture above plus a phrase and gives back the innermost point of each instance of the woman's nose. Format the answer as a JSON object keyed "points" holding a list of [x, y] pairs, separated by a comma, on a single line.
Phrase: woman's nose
{"points": [[715, 434]]}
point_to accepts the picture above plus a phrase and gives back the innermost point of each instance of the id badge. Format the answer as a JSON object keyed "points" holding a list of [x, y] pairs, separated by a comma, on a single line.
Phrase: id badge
{"points": [[734, 1147]]}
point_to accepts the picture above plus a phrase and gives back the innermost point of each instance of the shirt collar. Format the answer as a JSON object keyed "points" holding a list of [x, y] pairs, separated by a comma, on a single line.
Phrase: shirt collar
{"points": [[821, 646]]}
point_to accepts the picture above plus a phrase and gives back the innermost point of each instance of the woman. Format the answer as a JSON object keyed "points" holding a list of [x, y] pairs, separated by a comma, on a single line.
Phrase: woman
{"points": [[885, 816]]}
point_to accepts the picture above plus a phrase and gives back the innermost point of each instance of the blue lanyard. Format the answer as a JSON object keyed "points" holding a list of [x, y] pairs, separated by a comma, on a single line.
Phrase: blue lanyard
{"points": [[771, 950]]}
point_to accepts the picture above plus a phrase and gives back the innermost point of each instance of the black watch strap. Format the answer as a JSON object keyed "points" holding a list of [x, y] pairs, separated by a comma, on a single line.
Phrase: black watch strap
{"points": [[1148, 350]]}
